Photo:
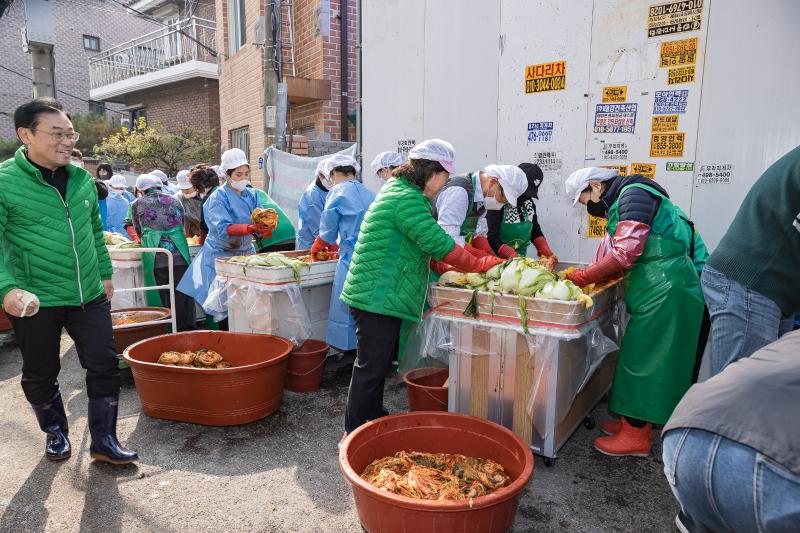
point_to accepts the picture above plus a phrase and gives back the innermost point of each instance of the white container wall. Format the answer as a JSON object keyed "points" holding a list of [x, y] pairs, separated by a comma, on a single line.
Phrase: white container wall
{"points": [[579, 84]]}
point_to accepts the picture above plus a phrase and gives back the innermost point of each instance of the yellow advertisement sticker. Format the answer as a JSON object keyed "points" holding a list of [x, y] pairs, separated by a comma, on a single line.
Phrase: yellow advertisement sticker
{"points": [[680, 75], [667, 144], [597, 227], [648, 170], [615, 95], [664, 123], [676, 53], [546, 77], [623, 169]]}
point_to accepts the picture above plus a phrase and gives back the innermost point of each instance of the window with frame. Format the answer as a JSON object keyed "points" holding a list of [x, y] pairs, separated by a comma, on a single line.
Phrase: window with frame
{"points": [[97, 108], [91, 43], [240, 138], [237, 25]]}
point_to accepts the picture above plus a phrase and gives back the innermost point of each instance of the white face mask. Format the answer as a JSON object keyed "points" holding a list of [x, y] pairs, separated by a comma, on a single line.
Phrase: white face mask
{"points": [[190, 194], [492, 204], [239, 185]]}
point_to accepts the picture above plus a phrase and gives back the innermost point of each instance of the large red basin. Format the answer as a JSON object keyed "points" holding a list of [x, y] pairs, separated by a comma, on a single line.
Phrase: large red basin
{"points": [[250, 390], [435, 432]]}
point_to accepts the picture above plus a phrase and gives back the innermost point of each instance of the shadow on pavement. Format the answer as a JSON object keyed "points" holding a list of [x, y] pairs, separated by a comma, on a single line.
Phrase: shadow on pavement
{"points": [[27, 510]]}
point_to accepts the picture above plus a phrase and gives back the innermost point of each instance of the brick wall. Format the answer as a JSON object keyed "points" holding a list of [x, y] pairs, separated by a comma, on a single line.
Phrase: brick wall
{"points": [[186, 104], [72, 19], [320, 57], [241, 86], [241, 79]]}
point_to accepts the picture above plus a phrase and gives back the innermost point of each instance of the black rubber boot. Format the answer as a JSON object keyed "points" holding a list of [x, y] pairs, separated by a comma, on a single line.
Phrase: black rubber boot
{"points": [[103, 427], [53, 421]]}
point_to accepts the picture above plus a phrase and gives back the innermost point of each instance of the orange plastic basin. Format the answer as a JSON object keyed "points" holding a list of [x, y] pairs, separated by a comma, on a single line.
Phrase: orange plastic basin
{"points": [[250, 390], [435, 432]]}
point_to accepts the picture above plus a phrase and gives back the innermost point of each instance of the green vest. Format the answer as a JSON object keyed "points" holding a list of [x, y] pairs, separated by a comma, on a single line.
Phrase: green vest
{"points": [[52, 247], [390, 266], [665, 302], [284, 232]]}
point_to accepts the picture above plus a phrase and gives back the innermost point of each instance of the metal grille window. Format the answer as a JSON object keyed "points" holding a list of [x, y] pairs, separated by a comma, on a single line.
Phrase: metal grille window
{"points": [[97, 108], [240, 138], [91, 43], [237, 25]]}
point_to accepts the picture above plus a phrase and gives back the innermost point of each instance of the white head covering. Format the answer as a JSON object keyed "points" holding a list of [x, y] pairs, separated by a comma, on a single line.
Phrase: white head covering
{"points": [[147, 181], [511, 178], [341, 160], [435, 150], [386, 159], [183, 180], [160, 175], [321, 168], [579, 180], [219, 171], [118, 181], [233, 158]]}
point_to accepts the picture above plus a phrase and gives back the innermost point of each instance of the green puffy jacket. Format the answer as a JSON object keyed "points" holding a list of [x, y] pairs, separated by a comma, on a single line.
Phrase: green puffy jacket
{"points": [[389, 271], [52, 248]]}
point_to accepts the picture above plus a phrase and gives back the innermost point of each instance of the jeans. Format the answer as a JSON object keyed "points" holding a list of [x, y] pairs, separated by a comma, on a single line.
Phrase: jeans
{"points": [[39, 339], [722, 485], [376, 347], [742, 320]]}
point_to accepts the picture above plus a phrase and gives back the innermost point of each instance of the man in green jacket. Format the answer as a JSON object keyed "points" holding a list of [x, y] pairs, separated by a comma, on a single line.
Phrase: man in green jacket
{"points": [[55, 273], [750, 281]]}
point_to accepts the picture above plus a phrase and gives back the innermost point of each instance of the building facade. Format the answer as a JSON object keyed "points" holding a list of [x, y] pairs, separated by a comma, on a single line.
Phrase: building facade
{"points": [[311, 38], [58, 38], [167, 75]]}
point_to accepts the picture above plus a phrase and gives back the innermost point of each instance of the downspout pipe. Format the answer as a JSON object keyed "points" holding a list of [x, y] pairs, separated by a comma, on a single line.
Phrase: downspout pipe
{"points": [[344, 84]]}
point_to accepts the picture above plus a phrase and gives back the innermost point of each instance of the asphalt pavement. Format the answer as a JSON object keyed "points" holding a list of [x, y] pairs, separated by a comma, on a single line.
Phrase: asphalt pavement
{"points": [[279, 474]]}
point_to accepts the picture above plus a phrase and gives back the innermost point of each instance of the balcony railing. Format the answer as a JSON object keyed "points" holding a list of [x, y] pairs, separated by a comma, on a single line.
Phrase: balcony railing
{"points": [[192, 39]]}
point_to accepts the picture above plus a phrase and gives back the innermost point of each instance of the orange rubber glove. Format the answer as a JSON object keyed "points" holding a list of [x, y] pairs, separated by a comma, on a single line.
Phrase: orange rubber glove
{"points": [[482, 243], [507, 252], [242, 230], [602, 270], [463, 261], [542, 247], [132, 234], [439, 267], [476, 252], [321, 246]]}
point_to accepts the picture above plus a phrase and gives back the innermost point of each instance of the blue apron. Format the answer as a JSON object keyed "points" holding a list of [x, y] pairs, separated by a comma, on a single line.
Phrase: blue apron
{"points": [[223, 208], [345, 207], [308, 215]]}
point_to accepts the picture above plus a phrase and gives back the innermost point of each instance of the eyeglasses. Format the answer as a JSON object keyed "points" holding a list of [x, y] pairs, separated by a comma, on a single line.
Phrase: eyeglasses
{"points": [[59, 137]]}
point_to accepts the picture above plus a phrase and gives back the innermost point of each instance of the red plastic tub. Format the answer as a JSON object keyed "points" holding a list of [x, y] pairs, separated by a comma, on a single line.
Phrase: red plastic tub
{"points": [[125, 336], [250, 390], [435, 432], [425, 391], [306, 366]]}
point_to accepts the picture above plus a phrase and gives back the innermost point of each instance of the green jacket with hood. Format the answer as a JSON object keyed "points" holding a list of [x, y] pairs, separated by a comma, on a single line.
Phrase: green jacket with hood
{"points": [[389, 271], [51, 247]]}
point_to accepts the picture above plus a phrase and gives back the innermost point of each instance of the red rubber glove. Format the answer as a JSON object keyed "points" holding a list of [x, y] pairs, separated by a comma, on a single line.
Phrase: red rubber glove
{"points": [[507, 252], [241, 230], [475, 252], [320, 246], [602, 270], [132, 234], [463, 261], [439, 267], [263, 232], [542, 247], [482, 243]]}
